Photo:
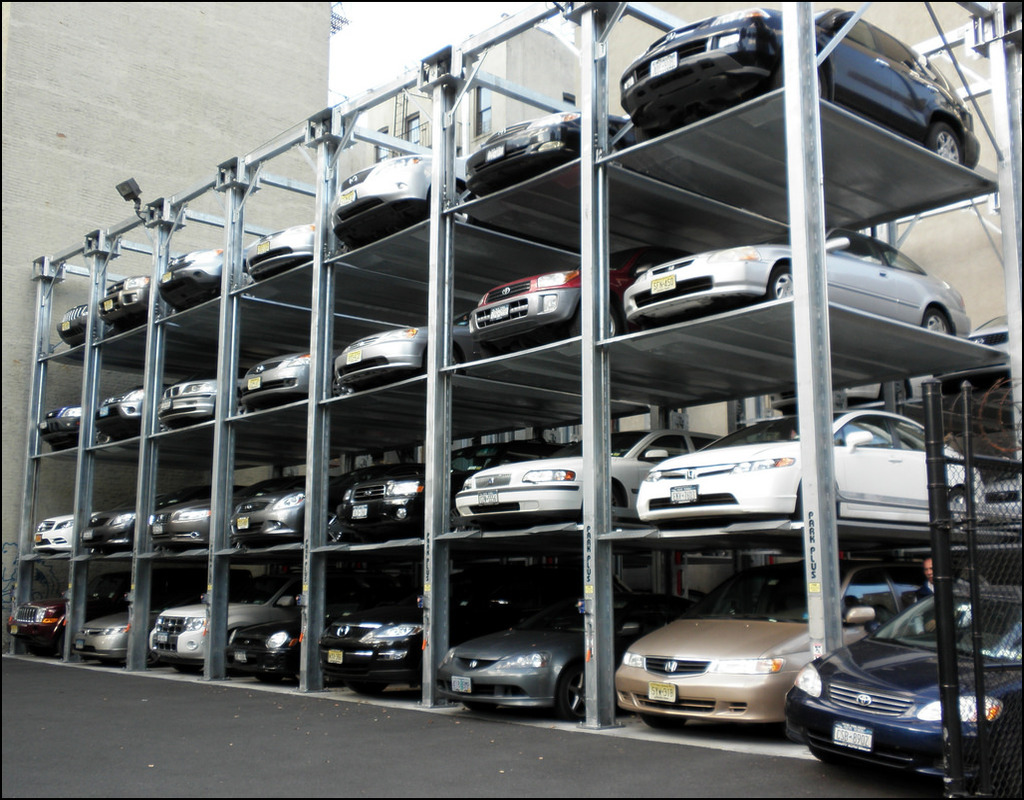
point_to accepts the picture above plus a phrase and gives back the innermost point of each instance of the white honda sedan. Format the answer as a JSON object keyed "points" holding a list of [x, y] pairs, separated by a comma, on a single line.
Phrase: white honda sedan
{"points": [[551, 489], [755, 473]]}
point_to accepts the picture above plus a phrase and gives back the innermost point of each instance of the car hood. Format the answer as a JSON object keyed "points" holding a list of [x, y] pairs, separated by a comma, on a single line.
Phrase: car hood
{"points": [[730, 455], [292, 626], [109, 621], [383, 615], [883, 665], [724, 638], [508, 642]]}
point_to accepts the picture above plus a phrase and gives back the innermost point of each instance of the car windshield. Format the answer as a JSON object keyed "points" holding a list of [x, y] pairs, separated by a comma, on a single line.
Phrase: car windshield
{"points": [[111, 586], [621, 443], [474, 459], [257, 591], [998, 626], [273, 486], [563, 616], [780, 429], [766, 595], [182, 495]]}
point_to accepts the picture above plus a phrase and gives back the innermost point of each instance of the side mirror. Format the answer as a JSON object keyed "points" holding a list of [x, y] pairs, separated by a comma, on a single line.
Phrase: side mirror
{"points": [[859, 615], [655, 455], [285, 602], [858, 439], [838, 243]]}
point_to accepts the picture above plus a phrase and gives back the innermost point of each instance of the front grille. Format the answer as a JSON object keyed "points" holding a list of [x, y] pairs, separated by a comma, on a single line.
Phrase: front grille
{"points": [[702, 500], [28, 615], [992, 339], [473, 663], [665, 665], [870, 702], [506, 292], [494, 508], [252, 505], [171, 625], [244, 640], [373, 491], [492, 480], [366, 363]]}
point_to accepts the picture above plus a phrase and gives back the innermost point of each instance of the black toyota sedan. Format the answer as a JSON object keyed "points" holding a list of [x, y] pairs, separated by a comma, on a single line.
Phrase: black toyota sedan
{"points": [[708, 66]]}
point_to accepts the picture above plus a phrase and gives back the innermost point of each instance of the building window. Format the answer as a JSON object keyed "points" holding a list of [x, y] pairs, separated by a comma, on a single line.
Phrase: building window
{"points": [[483, 110], [380, 153], [412, 128]]}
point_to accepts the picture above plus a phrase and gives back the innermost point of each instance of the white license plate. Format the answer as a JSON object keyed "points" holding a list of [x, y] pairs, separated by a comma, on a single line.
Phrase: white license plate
{"points": [[498, 313], [495, 152], [241, 657], [360, 512], [664, 284], [665, 692], [335, 656], [460, 684], [79, 643], [262, 247], [683, 494], [487, 499], [165, 404], [242, 523], [161, 638], [664, 64], [87, 536], [103, 411], [158, 528], [253, 383], [354, 357], [855, 737], [346, 198]]}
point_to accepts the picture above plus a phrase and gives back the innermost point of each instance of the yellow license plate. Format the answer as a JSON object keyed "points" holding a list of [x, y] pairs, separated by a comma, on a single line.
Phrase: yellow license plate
{"points": [[346, 198], [254, 383], [335, 656], [665, 284], [242, 523], [166, 277], [666, 692], [108, 304], [65, 326], [354, 357]]}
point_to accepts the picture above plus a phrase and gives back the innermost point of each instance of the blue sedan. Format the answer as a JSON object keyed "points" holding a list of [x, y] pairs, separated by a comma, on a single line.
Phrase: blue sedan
{"points": [[877, 701]]}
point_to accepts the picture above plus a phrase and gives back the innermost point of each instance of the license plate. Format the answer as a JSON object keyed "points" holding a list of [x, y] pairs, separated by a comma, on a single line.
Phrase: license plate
{"points": [[87, 536], [262, 247], [65, 326], [664, 284], [683, 494], [158, 528], [14, 629], [487, 498], [241, 657], [360, 512], [79, 643], [161, 638], [346, 198], [165, 404], [460, 684], [495, 152], [354, 357], [666, 692], [242, 523], [166, 277], [103, 411], [664, 64], [108, 304], [38, 538], [855, 737], [253, 383], [335, 656], [499, 312]]}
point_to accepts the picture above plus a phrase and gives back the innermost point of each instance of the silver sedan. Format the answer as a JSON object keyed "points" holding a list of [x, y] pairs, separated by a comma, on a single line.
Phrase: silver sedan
{"points": [[864, 273]]}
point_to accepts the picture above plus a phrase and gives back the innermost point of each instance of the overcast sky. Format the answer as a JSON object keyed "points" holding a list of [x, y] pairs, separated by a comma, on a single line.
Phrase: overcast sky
{"points": [[385, 40]]}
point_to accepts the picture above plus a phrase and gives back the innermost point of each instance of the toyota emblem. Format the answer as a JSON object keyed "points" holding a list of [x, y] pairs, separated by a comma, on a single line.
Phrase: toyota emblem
{"points": [[863, 699]]}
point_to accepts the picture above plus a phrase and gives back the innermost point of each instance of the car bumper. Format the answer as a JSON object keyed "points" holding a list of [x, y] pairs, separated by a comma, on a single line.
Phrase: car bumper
{"points": [[693, 286], [524, 315], [94, 643], [895, 742], [393, 516], [720, 496], [563, 501], [125, 305], [180, 534], [400, 662], [274, 387], [267, 526], [518, 158], [378, 363], [117, 538], [262, 661], [186, 290], [60, 433], [187, 647], [528, 688], [711, 696], [36, 634], [119, 422], [186, 410]]}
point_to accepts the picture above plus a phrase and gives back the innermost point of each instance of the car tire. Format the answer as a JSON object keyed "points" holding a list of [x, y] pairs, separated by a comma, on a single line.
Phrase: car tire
{"points": [[945, 142], [780, 282], [571, 693], [935, 320], [616, 322], [662, 721], [369, 688]]}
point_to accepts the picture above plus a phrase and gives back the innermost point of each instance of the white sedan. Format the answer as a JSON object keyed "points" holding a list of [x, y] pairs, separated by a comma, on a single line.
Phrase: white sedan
{"points": [[755, 473], [552, 489]]}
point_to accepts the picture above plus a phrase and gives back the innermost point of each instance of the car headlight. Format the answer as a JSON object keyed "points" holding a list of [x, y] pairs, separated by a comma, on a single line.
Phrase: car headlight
{"points": [[71, 411], [195, 623], [809, 681], [137, 282], [748, 666], [123, 519], [134, 396], [968, 710], [297, 361], [402, 333], [767, 463], [534, 660], [554, 119], [289, 501], [736, 254], [389, 633], [191, 515], [633, 660], [556, 279], [403, 488], [120, 629], [276, 640], [200, 388], [549, 475]]}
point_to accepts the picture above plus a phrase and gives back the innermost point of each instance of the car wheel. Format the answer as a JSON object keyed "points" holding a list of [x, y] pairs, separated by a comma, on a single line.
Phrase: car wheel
{"points": [[662, 721], [369, 688], [571, 693], [780, 282], [943, 140], [936, 321]]}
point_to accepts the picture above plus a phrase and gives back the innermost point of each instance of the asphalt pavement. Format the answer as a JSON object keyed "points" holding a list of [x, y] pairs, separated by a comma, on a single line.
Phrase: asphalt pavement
{"points": [[75, 730]]}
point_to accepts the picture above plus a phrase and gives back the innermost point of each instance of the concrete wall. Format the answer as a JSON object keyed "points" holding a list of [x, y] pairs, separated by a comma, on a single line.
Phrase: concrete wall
{"points": [[94, 93]]}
